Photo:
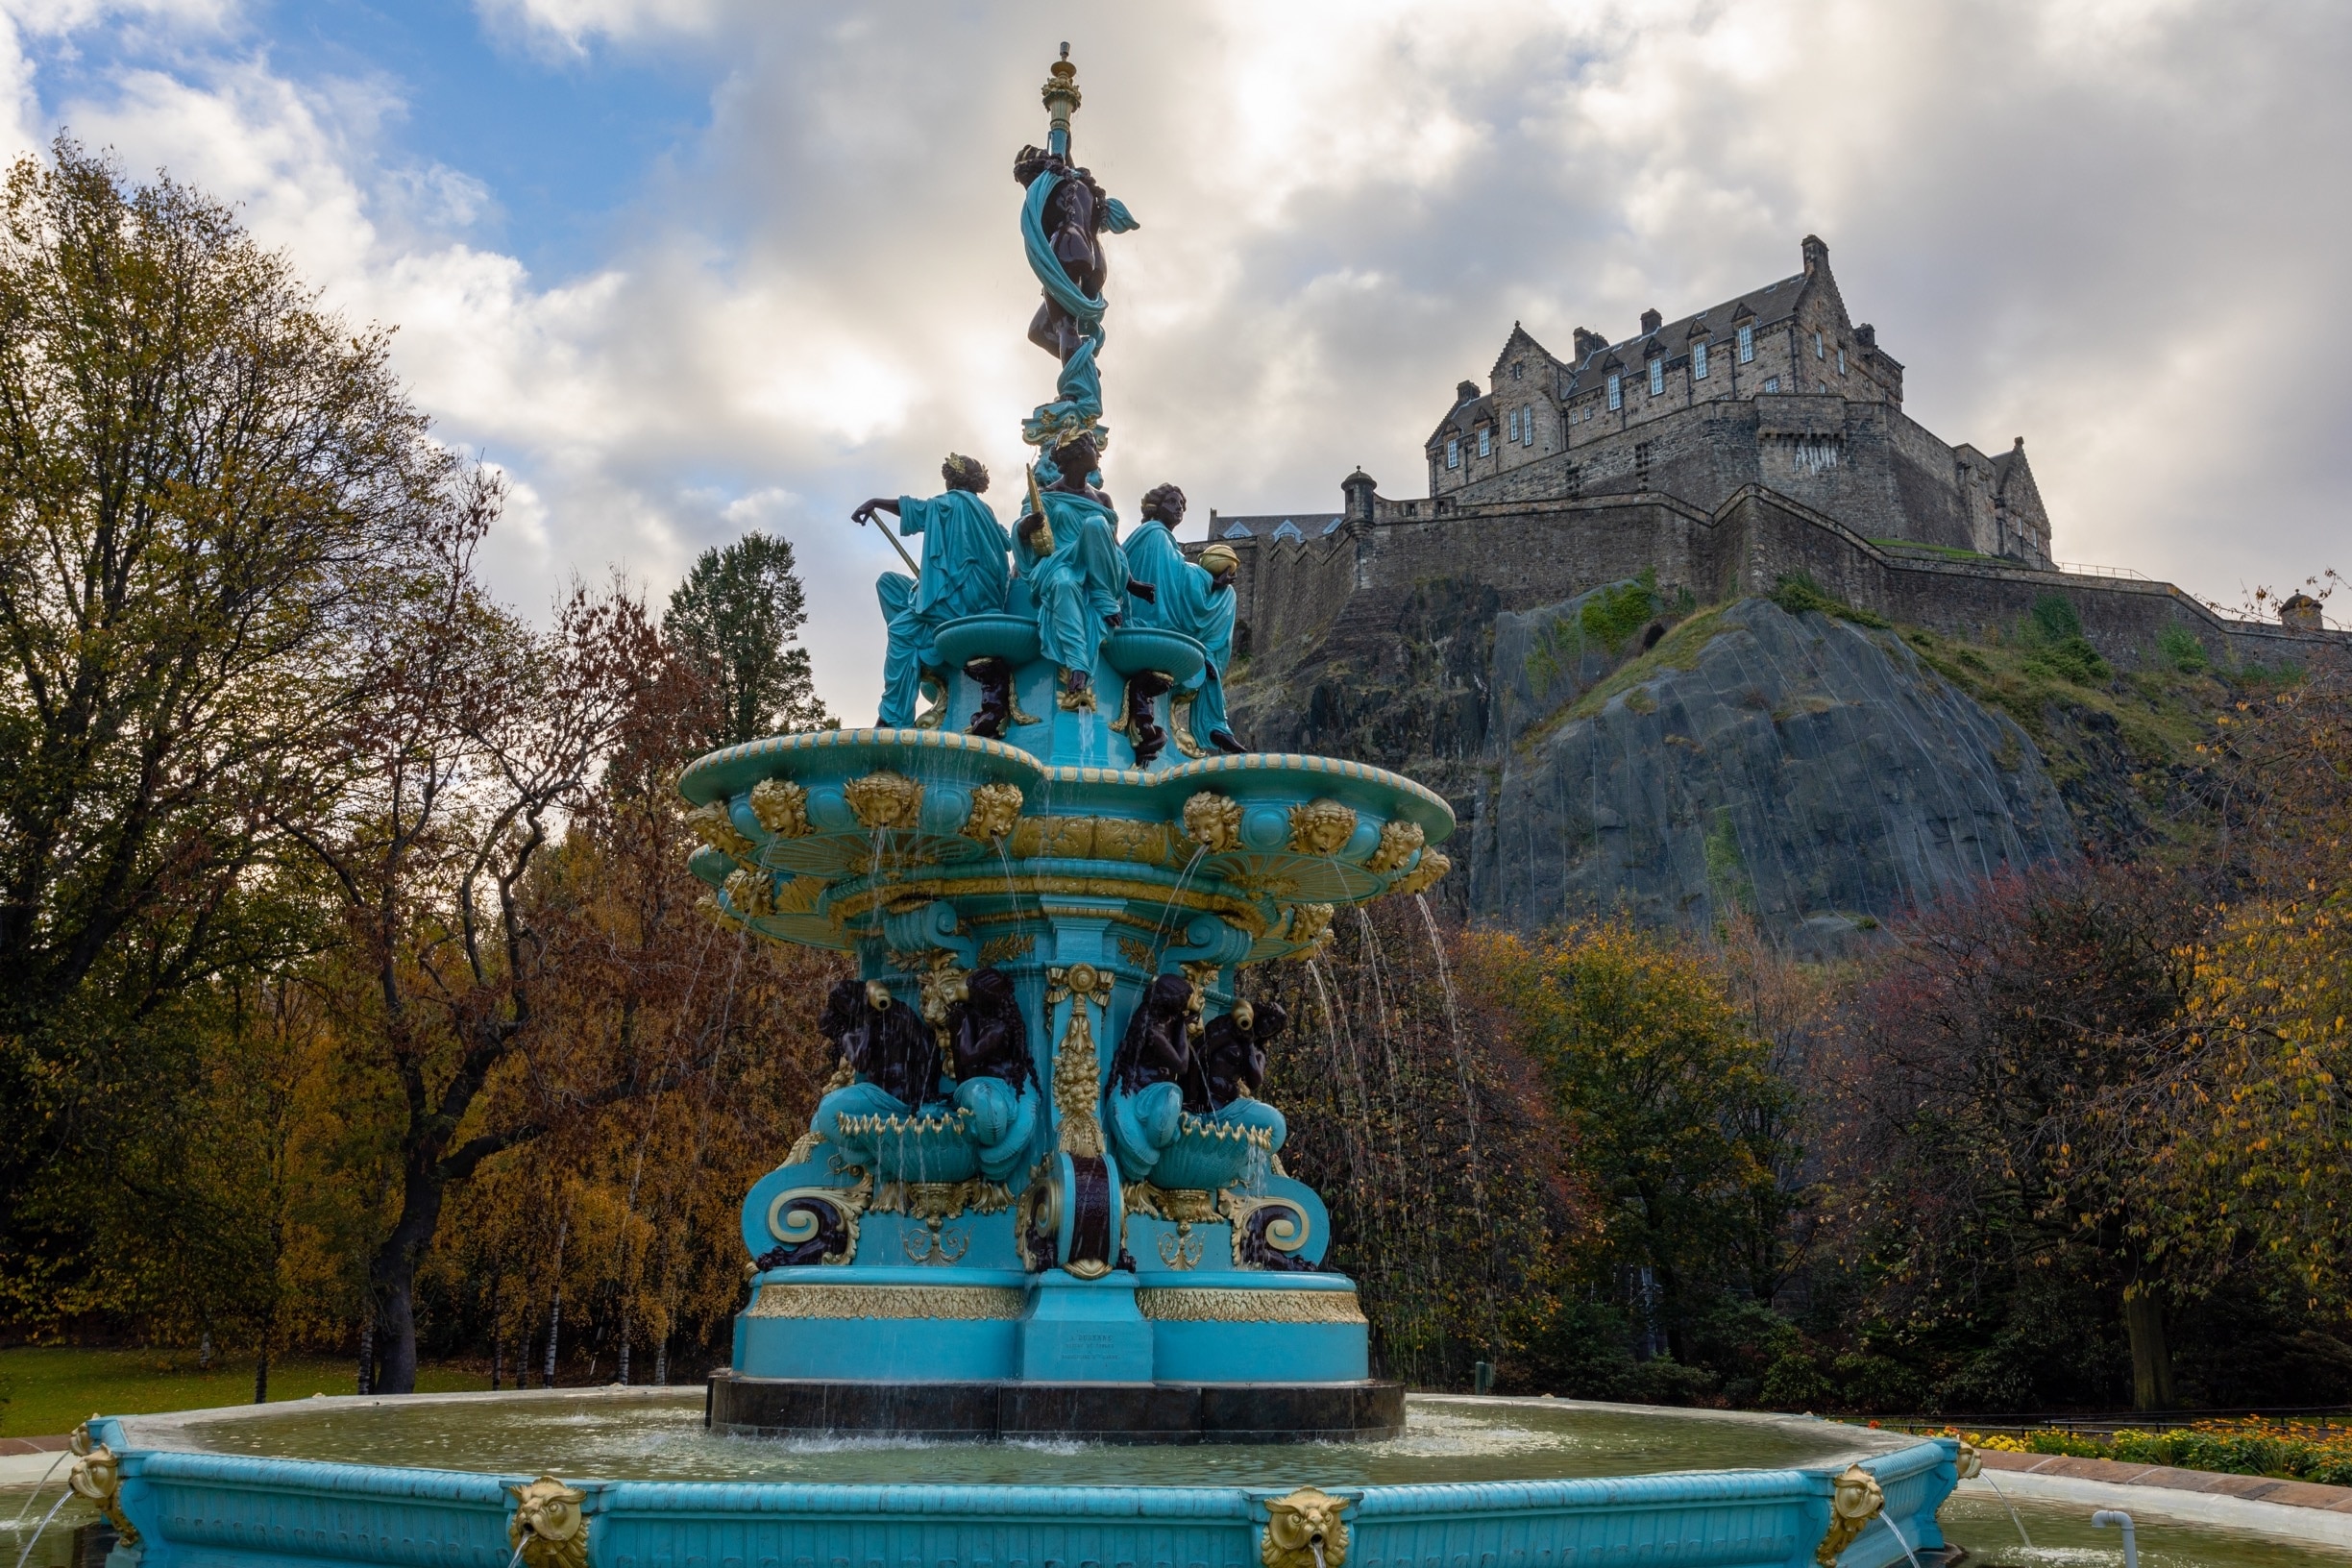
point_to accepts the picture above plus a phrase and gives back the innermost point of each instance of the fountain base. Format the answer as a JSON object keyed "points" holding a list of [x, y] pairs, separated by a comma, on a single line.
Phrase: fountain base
{"points": [[1103, 1413]]}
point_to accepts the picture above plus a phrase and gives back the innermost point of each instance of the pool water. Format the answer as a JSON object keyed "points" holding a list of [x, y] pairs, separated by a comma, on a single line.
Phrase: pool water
{"points": [[661, 1438]]}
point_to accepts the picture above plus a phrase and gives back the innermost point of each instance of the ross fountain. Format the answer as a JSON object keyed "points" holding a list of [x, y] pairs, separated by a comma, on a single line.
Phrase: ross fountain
{"points": [[1040, 1199]]}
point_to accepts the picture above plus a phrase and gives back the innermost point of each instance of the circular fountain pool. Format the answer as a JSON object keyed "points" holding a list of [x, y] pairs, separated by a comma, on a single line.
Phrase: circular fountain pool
{"points": [[658, 1436]]}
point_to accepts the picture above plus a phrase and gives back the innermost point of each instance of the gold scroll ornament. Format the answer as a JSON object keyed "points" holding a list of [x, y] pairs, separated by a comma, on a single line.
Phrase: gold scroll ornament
{"points": [[1077, 1077], [1853, 1504], [1966, 1463], [1305, 1529], [96, 1478], [548, 1529], [1322, 827]]}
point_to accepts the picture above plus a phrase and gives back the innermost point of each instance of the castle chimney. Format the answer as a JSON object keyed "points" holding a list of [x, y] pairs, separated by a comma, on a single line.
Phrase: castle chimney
{"points": [[2301, 613], [1816, 255], [1358, 489], [1651, 321], [1464, 392], [1867, 335], [1588, 343]]}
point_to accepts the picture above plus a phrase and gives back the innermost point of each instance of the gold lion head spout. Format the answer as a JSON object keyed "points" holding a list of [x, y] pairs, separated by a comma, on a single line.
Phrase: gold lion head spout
{"points": [[549, 1530], [1305, 1529]]}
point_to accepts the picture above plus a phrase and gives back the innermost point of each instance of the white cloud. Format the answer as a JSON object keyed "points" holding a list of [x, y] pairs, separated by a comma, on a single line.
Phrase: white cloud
{"points": [[2104, 227]]}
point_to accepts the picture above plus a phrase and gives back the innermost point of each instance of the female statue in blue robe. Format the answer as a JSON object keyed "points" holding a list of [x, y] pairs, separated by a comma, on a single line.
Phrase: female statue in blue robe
{"points": [[964, 573], [1076, 572], [1194, 600]]}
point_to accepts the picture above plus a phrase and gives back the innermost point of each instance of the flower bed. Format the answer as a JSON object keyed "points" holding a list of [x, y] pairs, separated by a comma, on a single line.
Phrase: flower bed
{"points": [[2248, 1446]]}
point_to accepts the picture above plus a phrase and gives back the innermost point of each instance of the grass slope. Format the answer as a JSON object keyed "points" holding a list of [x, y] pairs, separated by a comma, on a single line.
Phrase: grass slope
{"points": [[49, 1389]]}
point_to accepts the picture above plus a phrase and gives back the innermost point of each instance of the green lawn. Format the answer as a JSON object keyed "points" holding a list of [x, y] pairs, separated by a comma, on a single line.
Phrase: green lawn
{"points": [[48, 1390]]}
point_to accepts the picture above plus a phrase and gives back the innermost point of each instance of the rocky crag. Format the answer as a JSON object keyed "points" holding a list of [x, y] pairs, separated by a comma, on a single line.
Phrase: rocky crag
{"points": [[1786, 756]]}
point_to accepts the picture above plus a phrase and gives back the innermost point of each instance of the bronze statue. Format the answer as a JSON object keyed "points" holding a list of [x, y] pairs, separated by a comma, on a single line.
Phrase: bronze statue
{"points": [[887, 1045], [985, 1033], [1231, 1059], [1073, 220], [1157, 1048]]}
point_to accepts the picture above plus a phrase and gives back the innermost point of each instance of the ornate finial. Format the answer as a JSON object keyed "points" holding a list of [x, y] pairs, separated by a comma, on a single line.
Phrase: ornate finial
{"points": [[1061, 99]]}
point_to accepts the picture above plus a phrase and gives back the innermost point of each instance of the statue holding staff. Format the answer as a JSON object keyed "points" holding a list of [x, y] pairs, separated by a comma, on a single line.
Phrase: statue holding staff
{"points": [[964, 573]]}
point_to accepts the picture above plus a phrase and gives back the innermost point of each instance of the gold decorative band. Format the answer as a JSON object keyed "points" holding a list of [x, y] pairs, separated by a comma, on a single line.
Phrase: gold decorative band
{"points": [[1178, 1305], [966, 1303]]}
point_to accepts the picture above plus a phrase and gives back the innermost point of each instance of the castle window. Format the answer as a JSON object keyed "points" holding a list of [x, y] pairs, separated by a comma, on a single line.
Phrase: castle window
{"points": [[1485, 440], [1657, 375], [1616, 389], [1699, 360], [1818, 352], [1527, 425], [1747, 344], [1518, 370], [1290, 532], [1841, 361], [1772, 383], [1452, 452]]}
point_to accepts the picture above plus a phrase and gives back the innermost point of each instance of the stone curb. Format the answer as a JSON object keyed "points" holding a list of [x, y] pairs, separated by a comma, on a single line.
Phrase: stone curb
{"points": [[2296, 1509]]}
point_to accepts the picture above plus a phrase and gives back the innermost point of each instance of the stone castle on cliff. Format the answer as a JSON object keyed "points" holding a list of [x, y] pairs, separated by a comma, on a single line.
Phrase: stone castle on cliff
{"points": [[1720, 451]]}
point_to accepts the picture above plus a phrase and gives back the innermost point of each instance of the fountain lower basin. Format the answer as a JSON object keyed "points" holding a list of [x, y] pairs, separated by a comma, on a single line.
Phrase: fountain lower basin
{"points": [[1471, 1483]]}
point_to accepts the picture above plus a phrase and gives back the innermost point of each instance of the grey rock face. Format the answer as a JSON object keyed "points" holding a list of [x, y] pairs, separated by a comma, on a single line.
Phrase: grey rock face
{"points": [[1808, 770]]}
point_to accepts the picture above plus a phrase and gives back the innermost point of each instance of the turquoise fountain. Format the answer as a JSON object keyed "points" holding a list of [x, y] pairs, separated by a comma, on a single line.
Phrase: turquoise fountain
{"points": [[1040, 1196], [1040, 1217]]}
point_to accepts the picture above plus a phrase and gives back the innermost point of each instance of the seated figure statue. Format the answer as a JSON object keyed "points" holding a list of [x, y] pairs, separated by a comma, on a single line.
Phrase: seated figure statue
{"points": [[1069, 555], [891, 1050], [1230, 1067], [995, 1079], [964, 573], [1181, 1108], [1194, 600]]}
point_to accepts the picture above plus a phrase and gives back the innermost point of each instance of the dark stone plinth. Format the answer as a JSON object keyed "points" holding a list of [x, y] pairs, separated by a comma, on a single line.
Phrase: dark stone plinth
{"points": [[1106, 1412]]}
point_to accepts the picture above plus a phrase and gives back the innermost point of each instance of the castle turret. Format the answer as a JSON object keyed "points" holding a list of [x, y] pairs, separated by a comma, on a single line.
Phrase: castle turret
{"points": [[1358, 489]]}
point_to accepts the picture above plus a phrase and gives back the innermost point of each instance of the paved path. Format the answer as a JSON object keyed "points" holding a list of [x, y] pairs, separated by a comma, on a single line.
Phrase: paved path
{"points": [[2302, 1509]]}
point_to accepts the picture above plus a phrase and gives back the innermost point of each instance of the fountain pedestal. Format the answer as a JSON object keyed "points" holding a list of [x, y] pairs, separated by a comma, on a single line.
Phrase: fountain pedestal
{"points": [[1089, 1228]]}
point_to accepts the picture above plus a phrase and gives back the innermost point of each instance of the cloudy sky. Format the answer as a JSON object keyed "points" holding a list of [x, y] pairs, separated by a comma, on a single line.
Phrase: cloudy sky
{"points": [[684, 267]]}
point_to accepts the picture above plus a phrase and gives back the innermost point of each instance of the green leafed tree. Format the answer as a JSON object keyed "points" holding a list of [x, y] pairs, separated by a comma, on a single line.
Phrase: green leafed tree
{"points": [[203, 476], [737, 619]]}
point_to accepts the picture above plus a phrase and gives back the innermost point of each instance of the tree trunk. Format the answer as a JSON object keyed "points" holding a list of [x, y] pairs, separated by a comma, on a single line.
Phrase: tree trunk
{"points": [[367, 1353], [392, 1275], [2151, 1357], [262, 1374]]}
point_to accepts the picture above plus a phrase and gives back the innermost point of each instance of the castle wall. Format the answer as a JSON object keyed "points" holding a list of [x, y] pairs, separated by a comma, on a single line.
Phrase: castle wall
{"points": [[1522, 555]]}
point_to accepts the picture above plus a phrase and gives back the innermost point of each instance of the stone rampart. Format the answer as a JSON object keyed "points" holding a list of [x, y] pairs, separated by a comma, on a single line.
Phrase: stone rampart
{"points": [[1534, 553]]}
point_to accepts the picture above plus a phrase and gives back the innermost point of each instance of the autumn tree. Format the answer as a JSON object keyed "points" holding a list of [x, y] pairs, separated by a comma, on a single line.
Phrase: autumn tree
{"points": [[1681, 1129], [477, 734], [1416, 1117], [203, 478], [2016, 1088], [736, 620], [2273, 991]]}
